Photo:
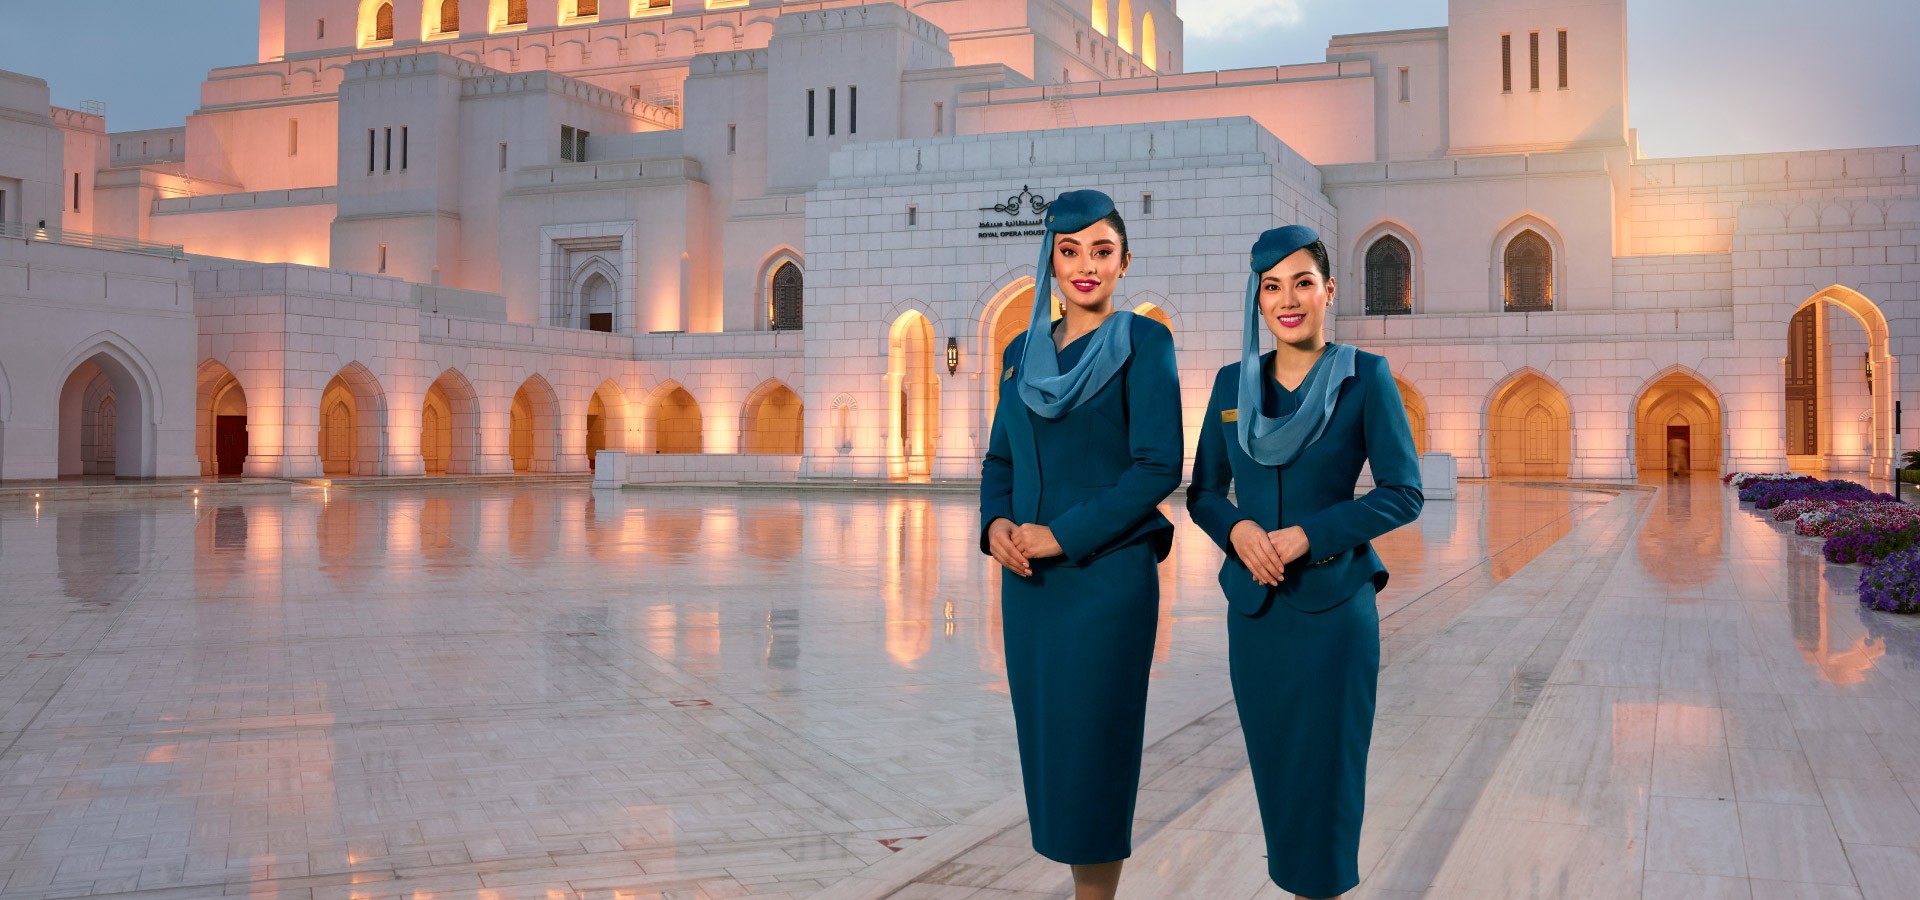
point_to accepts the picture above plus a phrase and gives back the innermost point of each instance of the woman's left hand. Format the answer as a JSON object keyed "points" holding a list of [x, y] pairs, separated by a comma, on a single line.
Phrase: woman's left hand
{"points": [[1289, 542], [1036, 541]]}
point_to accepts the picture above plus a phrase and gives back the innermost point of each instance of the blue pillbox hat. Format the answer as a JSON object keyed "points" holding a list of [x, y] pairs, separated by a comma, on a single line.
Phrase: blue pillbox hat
{"points": [[1280, 243], [1077, 211]]}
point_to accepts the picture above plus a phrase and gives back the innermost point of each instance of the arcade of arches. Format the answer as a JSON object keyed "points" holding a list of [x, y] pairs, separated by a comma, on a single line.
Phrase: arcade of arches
{"points": [[915, 386], [773, 422], [676, 424], [450, 426], [352, 424], [535, 426], [221, 411]]}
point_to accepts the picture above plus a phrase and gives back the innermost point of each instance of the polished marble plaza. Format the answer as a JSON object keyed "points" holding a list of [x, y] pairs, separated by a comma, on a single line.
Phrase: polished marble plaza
{"points": [[548, 692]]}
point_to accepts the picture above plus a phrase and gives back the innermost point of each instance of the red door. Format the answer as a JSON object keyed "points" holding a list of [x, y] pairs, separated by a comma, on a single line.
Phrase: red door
{"points": [[230, 444]]}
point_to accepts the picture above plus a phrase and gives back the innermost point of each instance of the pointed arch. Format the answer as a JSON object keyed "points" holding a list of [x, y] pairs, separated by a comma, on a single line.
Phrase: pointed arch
{"points": [[450, 425], [1838, 448], [1149, 42], [1678, 403], [1529, 427], [535, 417], [607, 417], [1389, 270], [353, 423], [1123, 25], [101, 365], [1528, 267], [1416, 405], [374, 27], [914, 386], [674, 422], [771, 420], [782, 289], [220, 420]]}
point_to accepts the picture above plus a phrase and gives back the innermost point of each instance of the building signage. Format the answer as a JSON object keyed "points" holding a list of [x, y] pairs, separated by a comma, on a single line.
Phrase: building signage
{"points": [[1023, 215]]}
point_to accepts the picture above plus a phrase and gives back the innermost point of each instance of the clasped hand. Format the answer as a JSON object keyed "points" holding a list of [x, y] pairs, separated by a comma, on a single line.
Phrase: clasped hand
{"points": [[1015, 546], [1267, 553]]}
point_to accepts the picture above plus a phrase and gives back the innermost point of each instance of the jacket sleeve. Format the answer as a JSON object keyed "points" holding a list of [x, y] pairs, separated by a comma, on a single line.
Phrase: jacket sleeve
{"points": [[1207, 500], [996, 470], [1156, 441], [1396, 497]]}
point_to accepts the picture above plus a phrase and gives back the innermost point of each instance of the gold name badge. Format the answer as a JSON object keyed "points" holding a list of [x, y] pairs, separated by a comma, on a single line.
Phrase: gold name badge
{"points": [[1229, 415], [1008, 376]]}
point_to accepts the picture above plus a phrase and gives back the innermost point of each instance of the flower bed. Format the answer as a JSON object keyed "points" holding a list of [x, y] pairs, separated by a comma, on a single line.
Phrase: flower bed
{"points": [[1893, 585]]}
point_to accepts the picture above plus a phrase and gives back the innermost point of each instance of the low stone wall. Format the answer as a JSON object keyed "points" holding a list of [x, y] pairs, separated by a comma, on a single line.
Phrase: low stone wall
{"points": [[613, 469]]}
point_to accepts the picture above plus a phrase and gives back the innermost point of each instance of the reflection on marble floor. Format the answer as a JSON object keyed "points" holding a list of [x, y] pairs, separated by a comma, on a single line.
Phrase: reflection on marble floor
{"points": [[545, 692]]}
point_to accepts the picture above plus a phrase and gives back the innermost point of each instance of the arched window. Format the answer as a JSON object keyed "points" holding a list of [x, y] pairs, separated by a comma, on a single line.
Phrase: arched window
{"points": [[383, 22], [785, 297], [1389, 277], [516, 12], [583, 8], [449, 16], [1529, 273], [1099, 16], [1123, 25]]}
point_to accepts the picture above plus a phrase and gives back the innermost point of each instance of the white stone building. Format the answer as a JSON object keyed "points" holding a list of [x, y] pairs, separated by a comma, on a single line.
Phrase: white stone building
{"points": [[762, 240]]}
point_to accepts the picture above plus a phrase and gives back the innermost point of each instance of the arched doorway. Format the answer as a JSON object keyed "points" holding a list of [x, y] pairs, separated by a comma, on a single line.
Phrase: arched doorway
{"points": [[1151, 311], [106, 420], [606, 421], [1677, 427], [915, 388], [773, 421], [221, 426], [450, 425], [1416, 406], [1838, 402], [1529, 429], [353, 413], [596, 303], [1015, 316], [674, 423], [535, 412]]}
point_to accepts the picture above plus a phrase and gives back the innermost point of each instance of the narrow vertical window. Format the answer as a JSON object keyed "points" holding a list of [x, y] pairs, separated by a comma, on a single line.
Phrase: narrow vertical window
{"points": [[76, 192], [566, 143], [580, 146], [143, 148], [383, 257], [1563, 59], [371, 139], [913, 215], [733, 138], [1146, 202], [1506, 64], [809, 113], [320, 29], [1533, 60], [833, 112], [853, 109], [119, 150], [939, 118], [387, 158], [1405, 88], [403, 148], [503, 157], [293, 137]]}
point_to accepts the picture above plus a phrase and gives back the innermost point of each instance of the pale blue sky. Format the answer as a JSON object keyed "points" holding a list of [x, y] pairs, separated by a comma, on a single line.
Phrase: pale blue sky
{"points": [[1706, 76]]}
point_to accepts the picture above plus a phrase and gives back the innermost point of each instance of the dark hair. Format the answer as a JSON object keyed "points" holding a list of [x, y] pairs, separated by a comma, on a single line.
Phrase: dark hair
{"points": [[1119, 227], [1318, 251]]}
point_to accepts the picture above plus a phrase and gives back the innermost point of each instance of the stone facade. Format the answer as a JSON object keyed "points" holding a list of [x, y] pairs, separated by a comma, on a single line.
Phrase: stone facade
{"points": [[706, 231]]}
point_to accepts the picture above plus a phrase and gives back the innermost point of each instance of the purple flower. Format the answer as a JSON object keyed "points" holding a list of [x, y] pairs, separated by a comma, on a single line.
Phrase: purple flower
{"points": [[1894, 584]]}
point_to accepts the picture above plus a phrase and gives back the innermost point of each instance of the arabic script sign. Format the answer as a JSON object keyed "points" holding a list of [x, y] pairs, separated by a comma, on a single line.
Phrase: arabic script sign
{"points": [[1022, 215]]}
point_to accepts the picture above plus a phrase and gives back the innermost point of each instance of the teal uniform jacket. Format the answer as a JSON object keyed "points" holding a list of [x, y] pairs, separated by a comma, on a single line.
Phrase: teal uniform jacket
{"points": [[1314, 492], [1108, 484]]}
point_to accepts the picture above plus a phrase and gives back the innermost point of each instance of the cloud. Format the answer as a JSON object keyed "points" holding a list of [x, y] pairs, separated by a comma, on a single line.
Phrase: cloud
{"points": [[1226, 18]]}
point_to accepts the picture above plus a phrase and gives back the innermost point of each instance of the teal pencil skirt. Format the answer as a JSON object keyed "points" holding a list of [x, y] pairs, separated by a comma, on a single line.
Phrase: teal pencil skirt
{"points": [[1079, 644], [1305, 684]]}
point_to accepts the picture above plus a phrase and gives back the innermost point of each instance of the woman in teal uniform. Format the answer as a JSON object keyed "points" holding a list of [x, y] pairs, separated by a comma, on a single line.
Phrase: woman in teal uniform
{"points": [[1086, 442], [1289, 431]]}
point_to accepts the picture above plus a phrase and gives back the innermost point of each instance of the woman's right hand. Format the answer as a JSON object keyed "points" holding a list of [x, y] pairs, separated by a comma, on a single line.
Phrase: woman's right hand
{"points": [[1000, 541], [1255, 549]]}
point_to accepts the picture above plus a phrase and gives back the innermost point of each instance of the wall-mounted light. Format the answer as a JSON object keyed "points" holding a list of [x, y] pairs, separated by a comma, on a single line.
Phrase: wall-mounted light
{"points": [[953, 355], [1866, 359]]}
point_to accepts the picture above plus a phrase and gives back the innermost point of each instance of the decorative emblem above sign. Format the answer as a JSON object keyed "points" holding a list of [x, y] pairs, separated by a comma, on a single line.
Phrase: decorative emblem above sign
{"points": [[1025, 203]]}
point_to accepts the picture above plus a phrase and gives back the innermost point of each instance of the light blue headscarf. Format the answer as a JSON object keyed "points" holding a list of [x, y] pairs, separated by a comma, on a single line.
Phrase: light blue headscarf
{"points": [[1278, 440], [1046, 389]]}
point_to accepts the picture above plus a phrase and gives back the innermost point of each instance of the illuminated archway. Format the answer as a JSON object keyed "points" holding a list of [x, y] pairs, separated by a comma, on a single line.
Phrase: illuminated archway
{"points": [[1839, 372], [772, 422], [1149, 42], [450, 425], [375, 23], [1099, 15], [1123, 25], [674, 421], [914, 385], [1529, 433], [535, 426], [108, 404], [606, 421], [1012, 319], [353, 424], [1154, 312], [1416, 406], [220, 421], [1678, 407]]}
